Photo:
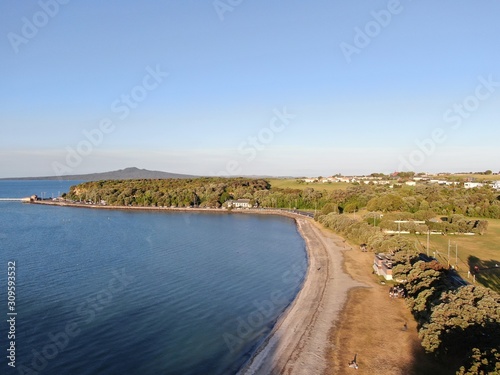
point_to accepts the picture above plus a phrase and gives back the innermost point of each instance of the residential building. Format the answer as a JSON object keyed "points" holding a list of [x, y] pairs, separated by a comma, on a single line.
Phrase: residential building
{"points": [[382, 265], [472, 185], [239, 203]]}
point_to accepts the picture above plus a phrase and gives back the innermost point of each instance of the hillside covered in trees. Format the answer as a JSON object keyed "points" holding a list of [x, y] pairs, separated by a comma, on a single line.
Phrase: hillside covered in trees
{"points": [[199, 192]]}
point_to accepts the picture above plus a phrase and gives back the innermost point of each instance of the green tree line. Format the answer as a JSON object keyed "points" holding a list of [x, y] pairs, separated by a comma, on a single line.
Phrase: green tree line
{"points": [[199, 192], [422, 201]]}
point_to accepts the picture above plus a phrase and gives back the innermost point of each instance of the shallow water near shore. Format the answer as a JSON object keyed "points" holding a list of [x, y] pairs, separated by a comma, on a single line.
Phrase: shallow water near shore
{"points": [[122, 292]]}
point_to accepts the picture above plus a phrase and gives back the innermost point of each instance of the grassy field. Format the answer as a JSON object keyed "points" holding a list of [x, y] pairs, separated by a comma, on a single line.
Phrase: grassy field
{"points": [[293, 184], [482, 251], [479, 177]]}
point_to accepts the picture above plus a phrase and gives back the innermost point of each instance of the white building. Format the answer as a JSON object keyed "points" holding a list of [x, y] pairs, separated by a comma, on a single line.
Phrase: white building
{"points": [[472, 185], [382, 265], [239, 203], [439, 182]]}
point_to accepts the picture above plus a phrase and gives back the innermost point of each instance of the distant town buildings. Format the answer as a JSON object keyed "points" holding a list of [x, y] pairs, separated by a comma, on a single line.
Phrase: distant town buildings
{"points": [[396, 179]]}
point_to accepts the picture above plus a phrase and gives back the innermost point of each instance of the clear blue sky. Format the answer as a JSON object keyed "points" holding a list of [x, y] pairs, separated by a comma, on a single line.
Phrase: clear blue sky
{"points": [[353, 112]]}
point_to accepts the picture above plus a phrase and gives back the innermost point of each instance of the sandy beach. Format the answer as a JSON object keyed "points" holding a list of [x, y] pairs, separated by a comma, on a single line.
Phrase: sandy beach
{"points": [[300, 341]]}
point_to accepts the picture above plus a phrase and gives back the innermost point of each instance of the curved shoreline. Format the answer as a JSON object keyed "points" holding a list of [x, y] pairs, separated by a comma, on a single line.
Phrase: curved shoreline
{"points": [[299, 341]]}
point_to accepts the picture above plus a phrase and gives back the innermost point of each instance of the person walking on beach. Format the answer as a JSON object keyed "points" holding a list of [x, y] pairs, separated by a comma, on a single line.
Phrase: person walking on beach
{"points": [[353, 363]]}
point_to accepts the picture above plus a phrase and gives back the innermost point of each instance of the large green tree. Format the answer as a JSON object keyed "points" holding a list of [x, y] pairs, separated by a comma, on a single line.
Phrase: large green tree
{"points": [[464, 319]]}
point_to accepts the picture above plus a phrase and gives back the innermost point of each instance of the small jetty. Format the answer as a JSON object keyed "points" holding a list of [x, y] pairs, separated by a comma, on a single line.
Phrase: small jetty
{"points": [[28, 199], [33, 198]]}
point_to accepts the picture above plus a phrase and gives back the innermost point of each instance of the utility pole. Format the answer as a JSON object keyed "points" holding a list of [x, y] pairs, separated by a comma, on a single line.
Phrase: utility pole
{"points": [[449, 245], [428, 241]]}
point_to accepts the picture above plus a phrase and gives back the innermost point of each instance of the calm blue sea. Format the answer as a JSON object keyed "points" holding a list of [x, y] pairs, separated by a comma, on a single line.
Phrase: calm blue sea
{"points": [[120, 292]]}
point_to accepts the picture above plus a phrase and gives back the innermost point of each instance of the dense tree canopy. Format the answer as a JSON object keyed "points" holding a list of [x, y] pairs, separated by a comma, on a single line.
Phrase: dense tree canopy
{"points": [[466, 318], [203, 192], [485, 362]]}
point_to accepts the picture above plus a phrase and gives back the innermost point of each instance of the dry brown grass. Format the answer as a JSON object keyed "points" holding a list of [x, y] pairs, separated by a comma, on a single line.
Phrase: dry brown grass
{"points": [[371, 326]]}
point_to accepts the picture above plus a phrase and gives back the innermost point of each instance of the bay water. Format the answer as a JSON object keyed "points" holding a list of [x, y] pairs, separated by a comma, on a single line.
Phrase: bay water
{"points": [[140, 292]]}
